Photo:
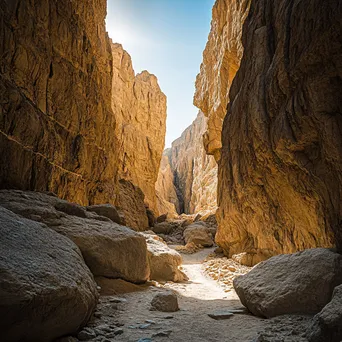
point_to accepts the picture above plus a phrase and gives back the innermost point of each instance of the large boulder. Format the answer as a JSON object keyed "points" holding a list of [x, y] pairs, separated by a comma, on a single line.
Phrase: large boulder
{"points": [[106, 210], [199, 234], [291, 283], [164, 262], [327, 324], [109, 250], [46, 289]]}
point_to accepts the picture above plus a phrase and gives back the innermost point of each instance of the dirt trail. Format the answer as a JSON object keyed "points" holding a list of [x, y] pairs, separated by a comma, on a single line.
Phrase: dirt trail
{"points": [[198, 297], [201, 295]]}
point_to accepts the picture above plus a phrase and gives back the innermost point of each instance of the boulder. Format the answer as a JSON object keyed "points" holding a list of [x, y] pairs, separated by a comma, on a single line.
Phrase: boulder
{"points": [[46, 289], [299, 283], [165, 302], [327, 324], [106, 210], [199, 234], [109, 250], [164, 262], [164, 227], [161, 218]]}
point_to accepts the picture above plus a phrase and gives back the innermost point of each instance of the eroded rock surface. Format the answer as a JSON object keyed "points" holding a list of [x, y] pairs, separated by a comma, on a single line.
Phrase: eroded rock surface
{"points": [[139, 107], [46, 289], [327, 324], [189, 173], [109, 250], [280, 180], [221, 60], [299, 283], [164, 262], [74, 118]]}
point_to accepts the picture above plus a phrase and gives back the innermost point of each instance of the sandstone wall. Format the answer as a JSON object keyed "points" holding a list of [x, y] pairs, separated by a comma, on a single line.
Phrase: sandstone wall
{"points": [[139, 107], [221, 60], [280, 179], [167, 198], [194, 172], [74, 119], [56, 122]]}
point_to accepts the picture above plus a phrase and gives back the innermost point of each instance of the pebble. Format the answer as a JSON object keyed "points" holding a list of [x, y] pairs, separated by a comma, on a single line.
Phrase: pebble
{"points": [[145, 339], [165, 333], [144, 326], [86, 334], [220, 315]]}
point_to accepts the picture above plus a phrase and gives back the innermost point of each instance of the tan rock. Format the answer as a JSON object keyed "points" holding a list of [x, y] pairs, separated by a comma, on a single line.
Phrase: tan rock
{"points": [[165, 302], [280, 176], [199, 234], [46, 289], [188, 174], [139, 107], [164, 262], [221, 60], [75, 119], [109, 250]]}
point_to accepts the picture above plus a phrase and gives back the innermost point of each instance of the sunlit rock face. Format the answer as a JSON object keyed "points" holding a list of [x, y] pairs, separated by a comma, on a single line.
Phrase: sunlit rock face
{"points": [[221, 60], [280, 180], [56, 122], [193, 173], [74, 118], [139, 107]]}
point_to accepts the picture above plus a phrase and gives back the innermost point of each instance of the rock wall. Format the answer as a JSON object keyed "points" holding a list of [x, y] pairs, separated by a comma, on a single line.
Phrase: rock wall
{"points": [[167, 198], [221, 60], [74, 119], [56, 122], [194, 172], [280, 180], [139, 107]]}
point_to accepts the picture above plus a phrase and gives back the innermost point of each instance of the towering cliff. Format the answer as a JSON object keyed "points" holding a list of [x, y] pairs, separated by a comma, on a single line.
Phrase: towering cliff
{"points": [[74, 119], [221, 60], [189, 172], [139, 107], [280, 179], [56, 121]]}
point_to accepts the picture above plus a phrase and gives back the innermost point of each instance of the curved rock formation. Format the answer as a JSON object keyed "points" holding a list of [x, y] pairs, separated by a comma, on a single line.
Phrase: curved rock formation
{"points": [[280, 179], [221, 60], [194, 173]]}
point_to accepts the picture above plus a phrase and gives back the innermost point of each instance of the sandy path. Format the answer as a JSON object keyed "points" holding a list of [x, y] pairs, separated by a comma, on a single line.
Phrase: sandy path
{"points": [[198, 297]]}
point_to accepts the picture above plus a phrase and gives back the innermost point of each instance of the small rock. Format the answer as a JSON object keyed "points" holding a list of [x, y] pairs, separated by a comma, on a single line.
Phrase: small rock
{"points": [[150, 321], [168, 317], [220, 315], [145, 340], [165, 333], [144, 326], [166, 302], [118, 331], [86, 334]]}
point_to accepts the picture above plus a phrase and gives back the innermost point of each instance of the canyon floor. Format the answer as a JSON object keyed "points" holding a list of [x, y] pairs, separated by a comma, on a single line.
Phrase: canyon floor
{"points": [[127, 316]]}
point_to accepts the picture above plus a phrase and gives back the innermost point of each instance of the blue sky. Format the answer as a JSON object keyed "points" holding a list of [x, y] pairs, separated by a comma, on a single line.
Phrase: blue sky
{"points": [[167, 38]]}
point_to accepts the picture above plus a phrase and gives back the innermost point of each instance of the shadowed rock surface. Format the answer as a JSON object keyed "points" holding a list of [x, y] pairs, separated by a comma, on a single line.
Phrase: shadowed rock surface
{"points": [[327, 324], [299, 283], [189, 173], [46, 289], [109, 250], [280, 179]]}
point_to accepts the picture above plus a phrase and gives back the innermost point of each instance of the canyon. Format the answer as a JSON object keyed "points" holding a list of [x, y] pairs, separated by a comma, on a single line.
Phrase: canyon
{"points": [[233, 233]]}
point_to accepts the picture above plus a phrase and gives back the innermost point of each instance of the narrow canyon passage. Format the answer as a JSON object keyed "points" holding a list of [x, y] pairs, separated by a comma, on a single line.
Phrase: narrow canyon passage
{"points": [[202, 203]]}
